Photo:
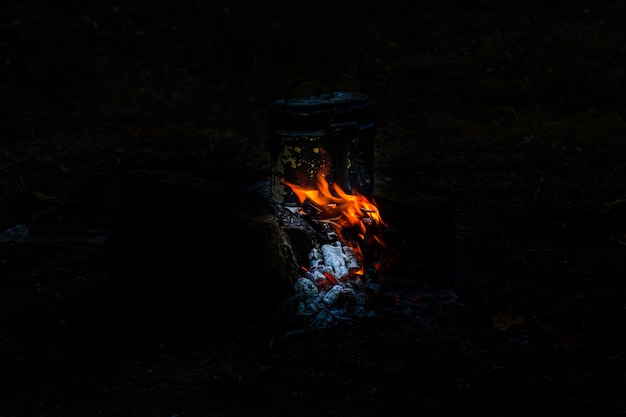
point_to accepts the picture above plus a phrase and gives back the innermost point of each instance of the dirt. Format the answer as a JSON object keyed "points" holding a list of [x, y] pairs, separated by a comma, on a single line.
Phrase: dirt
{"points": [[514, 113]]}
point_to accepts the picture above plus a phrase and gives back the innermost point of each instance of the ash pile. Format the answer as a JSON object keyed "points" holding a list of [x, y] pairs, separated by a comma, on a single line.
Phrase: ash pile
{"points": [[344, 276], [332, 286]]}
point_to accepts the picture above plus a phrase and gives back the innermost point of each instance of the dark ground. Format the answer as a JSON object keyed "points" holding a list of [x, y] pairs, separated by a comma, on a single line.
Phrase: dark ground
{"points": [[515, 113]]}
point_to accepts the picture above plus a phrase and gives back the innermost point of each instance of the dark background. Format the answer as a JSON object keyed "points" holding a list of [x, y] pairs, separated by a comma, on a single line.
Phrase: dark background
{"points": [[513, 110]]}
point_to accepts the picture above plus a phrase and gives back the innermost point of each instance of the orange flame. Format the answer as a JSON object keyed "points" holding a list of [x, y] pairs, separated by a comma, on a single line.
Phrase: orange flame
{"points": [[341, 210]]}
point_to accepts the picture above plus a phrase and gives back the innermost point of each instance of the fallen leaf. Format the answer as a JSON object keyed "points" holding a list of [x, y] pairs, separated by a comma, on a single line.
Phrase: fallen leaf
{"points": [[45, 197], [506, 321]]}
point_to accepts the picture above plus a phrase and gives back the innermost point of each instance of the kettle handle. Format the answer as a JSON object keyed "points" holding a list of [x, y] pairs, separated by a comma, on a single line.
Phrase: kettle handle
{"points": [[341, 135]]}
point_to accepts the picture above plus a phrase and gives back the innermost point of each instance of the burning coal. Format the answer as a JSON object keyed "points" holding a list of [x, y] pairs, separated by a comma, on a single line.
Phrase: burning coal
{"points": [[340, 277]]}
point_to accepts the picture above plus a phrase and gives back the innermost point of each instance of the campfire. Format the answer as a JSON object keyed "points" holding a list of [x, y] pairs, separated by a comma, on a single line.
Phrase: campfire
{"points": [[333, 250], [322, 161], [348, 256]]}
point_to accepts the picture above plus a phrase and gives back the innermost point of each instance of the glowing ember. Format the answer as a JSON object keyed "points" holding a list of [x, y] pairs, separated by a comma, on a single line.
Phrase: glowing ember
{"points": [[337, 283]]}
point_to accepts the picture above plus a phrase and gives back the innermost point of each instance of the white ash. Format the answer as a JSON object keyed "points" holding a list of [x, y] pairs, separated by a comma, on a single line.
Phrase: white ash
{"points": [[338, 259], [330, 290], [352, 263], [316, 258], [335, 260]]}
